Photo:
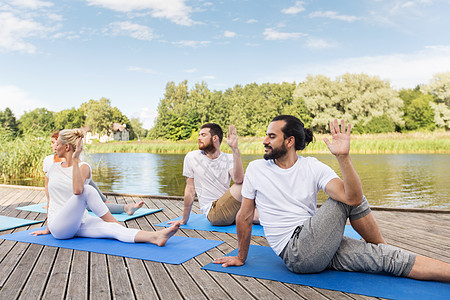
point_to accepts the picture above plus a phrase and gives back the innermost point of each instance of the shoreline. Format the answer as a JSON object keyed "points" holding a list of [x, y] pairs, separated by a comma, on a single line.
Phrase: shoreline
{"points": [[180, 198]]}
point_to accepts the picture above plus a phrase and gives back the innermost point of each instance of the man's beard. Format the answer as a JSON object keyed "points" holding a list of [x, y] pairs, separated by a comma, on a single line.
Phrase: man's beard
{"points": [[207, 148], [276, 153]]}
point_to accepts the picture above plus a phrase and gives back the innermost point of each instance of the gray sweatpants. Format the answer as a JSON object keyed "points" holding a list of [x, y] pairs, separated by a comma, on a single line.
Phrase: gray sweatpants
{"points": [[114, 208], [319, 244]]}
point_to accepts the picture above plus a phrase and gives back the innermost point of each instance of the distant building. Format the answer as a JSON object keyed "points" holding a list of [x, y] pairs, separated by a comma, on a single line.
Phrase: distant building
{"points": [[119, 132]]}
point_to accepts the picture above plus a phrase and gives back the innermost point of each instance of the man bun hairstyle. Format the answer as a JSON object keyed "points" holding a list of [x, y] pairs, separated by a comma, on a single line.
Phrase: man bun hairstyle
{"points": [[214, 129], [294, 127], [70, 136]]}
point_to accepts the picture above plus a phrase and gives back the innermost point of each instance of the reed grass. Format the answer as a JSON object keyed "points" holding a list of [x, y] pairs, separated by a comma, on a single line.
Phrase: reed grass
{"points": [[22, 157], [417, 142]]}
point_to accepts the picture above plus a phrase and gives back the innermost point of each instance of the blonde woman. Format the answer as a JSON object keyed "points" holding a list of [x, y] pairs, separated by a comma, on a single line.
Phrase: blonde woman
{"points": [[70, 193], [113, 207]]}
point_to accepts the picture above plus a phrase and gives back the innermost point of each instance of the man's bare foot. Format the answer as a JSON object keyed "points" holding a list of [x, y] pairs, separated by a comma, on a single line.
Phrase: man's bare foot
{"points": [[131, 208], [165, 234]]}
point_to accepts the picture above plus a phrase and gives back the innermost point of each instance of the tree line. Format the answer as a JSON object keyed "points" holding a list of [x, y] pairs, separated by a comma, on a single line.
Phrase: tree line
{"points": [[97, 115], [369, 103]]}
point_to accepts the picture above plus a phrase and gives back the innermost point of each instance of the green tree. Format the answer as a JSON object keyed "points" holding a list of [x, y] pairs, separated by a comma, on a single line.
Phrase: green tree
{"points": [[40, 119], [9, 123], [69, 118], [439, 87], [356, 98], [418, 113], [139, 131], [98, 114]]}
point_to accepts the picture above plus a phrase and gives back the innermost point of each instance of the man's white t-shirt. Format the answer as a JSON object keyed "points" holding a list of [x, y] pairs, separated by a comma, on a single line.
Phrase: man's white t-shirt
{"points": [[60, 187], [285, 198], [211, 176]]}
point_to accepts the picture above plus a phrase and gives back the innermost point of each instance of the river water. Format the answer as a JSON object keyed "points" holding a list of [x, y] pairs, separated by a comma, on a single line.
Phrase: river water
{"points": [[390, 180]]}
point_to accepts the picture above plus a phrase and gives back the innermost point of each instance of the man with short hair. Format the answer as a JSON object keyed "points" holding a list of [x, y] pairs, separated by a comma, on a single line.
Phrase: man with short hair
{"points": [[208, 173], [284, 188]]}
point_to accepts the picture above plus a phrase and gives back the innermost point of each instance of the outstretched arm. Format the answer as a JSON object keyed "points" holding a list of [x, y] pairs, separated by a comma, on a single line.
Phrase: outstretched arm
{"points": [[237, 173], [189, 196], [348, 190], [244, 220]]}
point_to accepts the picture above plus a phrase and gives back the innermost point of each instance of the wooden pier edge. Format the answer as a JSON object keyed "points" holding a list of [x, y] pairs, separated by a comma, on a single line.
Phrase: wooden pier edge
{"points": [[180, 198]]}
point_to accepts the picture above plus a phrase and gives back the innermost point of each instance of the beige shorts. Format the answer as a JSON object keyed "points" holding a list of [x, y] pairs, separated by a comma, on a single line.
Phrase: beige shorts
{"points": [[223, 211]]}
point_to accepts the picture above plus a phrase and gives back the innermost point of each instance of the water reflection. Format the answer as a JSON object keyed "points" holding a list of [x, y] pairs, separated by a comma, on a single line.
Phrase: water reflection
{"points": [[392, 180]]}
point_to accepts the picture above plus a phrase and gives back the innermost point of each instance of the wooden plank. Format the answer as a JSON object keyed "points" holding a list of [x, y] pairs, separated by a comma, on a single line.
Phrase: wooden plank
{"points": [[37, 282], [78, 277], [59, 276], [12, 288], [99, 287], [121, 287]]}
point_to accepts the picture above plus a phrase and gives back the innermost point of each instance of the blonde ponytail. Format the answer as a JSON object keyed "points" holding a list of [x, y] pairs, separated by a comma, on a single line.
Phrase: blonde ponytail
{"points": [[70, 136]]}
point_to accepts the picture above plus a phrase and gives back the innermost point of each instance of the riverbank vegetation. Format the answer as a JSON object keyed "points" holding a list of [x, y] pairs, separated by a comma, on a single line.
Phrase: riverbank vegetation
{"points": [[417, 142], [384, 120]]}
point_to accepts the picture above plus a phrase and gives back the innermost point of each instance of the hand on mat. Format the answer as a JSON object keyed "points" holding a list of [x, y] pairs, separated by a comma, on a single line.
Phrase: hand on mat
{"points": [[229, 261], [40, 232]]}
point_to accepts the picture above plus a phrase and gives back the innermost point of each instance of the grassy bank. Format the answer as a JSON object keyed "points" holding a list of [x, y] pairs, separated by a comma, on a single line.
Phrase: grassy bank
{"points": [[22, 157], [435, 142]]}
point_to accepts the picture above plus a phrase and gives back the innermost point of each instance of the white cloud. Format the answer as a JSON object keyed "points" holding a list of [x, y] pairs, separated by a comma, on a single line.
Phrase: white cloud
{"points": [[316, 43], [293, 10], [273, 34], [14, 32], [403, 70], [333, 15], [147, 116], [209, 77], [193, 70], [31, 4], [140, 32], [142, 70], [251, 21], [174, 10], [192, 44], [17, 100], [229, 34]]}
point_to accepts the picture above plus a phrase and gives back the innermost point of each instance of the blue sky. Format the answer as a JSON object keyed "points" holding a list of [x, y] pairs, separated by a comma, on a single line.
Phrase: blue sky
{"points": [[59, 54]]}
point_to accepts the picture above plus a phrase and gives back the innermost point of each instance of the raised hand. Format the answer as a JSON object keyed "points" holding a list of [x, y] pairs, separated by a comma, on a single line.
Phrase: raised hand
{"points": [[77, 153], [341, 139], [232, 137]]}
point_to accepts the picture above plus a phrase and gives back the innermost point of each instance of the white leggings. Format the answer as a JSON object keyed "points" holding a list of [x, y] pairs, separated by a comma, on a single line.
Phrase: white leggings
{"points": [[67, 222]]}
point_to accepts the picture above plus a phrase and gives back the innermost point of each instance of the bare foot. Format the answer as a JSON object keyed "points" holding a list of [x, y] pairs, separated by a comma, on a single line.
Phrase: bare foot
{"points": [[131, 208], [165, 234]]}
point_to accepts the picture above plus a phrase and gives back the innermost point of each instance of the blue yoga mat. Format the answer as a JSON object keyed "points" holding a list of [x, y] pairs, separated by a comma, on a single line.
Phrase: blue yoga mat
{"points": [[176, 251], [263, 263], [39, 208], [200, 222], [10, 222]]}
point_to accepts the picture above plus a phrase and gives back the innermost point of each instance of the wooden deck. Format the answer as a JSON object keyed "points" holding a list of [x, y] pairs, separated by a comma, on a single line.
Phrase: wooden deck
{"points": [[30, 271]]}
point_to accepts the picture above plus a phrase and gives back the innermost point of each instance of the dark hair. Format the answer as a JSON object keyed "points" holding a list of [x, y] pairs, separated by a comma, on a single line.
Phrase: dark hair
{"points": [[214, 129], [294, 127]]}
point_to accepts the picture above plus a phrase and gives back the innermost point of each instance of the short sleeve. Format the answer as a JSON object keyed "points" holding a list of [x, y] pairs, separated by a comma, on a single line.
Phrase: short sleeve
{"points": [[47, 163], [248, 190], [324, 174], [188, 170]]}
